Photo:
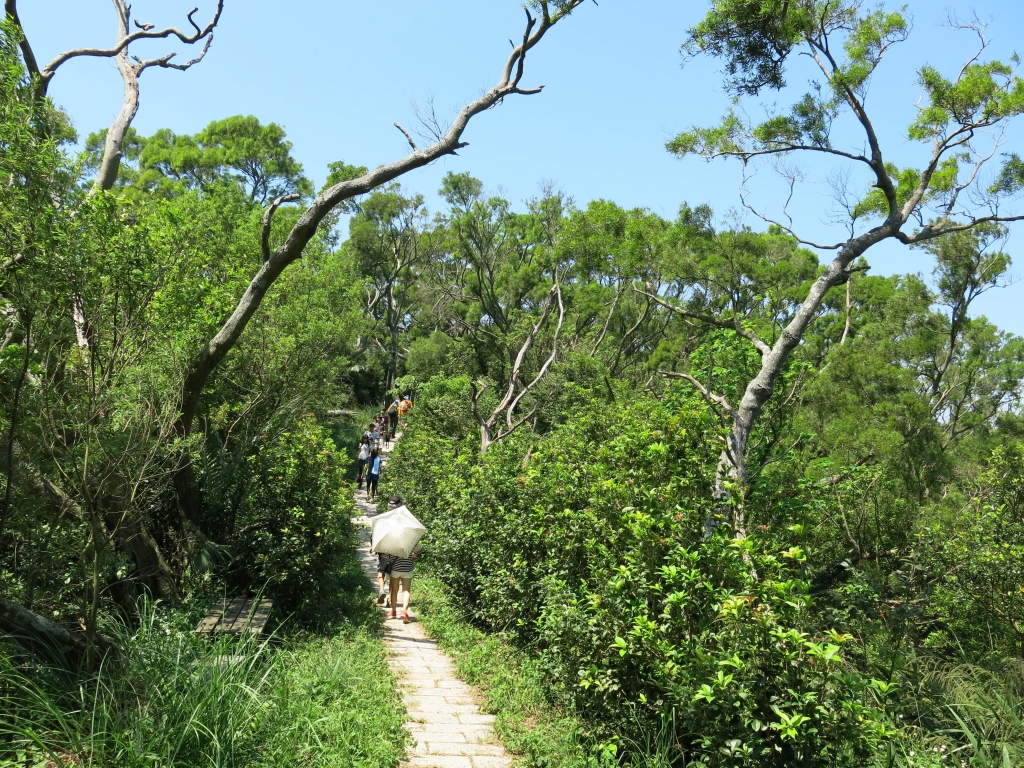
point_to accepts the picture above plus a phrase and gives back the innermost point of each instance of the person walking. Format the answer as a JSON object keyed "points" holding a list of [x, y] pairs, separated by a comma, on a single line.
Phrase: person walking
{"points": [[373, 468], [393, 418], [384, 565], [363, 458]]}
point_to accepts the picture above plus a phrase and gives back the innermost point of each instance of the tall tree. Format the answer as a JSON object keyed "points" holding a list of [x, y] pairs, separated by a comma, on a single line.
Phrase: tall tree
{"points": [[130, 67], [960, 120]]}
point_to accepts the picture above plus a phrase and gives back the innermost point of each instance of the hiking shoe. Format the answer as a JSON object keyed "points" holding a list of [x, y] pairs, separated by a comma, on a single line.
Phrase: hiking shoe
{"points": [[381, 597], [405, 617], [393, 614]]}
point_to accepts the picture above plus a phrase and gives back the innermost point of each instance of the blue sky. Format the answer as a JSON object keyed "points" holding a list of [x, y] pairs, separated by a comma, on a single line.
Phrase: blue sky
{"points": [[337, 74]]}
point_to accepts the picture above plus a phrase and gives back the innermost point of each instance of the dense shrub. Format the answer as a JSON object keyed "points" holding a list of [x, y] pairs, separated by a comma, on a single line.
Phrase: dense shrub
{"points": [[294, 531], [585, 546]]}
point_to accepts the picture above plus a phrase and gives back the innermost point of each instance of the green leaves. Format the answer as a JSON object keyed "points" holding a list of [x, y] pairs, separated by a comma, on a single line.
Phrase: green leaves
{"points": [[753, 37], [710, 142], [983, 94]]}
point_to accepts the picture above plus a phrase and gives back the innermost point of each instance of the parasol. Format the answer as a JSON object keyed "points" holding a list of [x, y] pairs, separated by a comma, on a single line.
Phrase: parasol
{"points": [[396, 532]]}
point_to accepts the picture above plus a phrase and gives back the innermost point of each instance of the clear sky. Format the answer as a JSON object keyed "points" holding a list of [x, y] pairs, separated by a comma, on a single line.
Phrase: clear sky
{"points": [[336, 74]]}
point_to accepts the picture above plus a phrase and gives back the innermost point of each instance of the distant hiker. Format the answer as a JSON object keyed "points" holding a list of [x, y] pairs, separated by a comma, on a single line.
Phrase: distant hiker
{"points": [[393, 418], [373, 474], [375, 437], [363, 458], [404, 407]]}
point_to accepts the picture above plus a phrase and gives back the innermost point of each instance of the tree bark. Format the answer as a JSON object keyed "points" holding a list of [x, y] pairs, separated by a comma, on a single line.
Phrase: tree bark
{"points": [[47, 638], [114, 142], [732, 463]]}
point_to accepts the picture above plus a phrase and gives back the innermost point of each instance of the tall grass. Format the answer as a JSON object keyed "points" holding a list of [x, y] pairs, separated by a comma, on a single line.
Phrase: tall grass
{"points": [[985, 712], [180, 700]]}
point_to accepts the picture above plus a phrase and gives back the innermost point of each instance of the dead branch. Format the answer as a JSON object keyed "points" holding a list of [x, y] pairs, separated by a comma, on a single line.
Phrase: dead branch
{"points": [[269, 216], [126, 38], [732, 325]]}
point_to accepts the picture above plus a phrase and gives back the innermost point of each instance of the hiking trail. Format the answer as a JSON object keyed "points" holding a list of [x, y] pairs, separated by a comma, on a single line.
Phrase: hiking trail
{"points": [[444, 719]]}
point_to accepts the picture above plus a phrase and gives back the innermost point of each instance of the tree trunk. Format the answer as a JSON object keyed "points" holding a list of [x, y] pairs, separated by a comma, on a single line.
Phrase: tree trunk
{"points": [[732, 464], [151, 569], [114, 142], [47, 638]]}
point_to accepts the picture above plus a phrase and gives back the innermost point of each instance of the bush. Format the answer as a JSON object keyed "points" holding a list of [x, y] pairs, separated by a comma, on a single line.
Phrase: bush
{"points": [[585, 546], [294, 531]]}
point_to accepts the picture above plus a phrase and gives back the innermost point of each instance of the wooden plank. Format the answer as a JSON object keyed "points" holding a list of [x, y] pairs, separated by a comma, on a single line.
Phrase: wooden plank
{"points": [[239, 618], [239, 614], [213, 619], [259, 616]]}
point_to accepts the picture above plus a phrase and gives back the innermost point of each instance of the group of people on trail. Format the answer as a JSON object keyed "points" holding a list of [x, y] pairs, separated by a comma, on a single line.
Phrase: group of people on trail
{"points": [[395, 567], [379, 434]]}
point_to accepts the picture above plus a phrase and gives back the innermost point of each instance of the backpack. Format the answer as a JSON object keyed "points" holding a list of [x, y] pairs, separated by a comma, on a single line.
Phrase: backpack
{"points": [[393, 408], [404, 407]]}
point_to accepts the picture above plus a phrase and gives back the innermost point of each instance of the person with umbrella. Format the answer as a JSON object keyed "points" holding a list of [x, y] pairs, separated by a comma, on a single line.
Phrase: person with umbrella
{"points": [[397, 533]]}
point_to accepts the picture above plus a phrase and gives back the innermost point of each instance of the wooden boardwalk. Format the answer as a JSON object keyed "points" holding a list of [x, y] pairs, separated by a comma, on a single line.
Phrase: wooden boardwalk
{"points": [[449, 729]]}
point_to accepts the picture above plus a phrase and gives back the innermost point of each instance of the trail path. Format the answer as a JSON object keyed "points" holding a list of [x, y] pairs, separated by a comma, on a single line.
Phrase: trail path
{"points": [[449, 728]]}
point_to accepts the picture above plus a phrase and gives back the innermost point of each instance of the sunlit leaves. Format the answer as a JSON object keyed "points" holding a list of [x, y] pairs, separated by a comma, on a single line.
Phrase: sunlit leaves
{"points": [[982, 95]]}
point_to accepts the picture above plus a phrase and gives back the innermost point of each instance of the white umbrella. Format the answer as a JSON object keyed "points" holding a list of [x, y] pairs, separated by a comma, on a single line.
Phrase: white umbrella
{"points": [[396, 532]]}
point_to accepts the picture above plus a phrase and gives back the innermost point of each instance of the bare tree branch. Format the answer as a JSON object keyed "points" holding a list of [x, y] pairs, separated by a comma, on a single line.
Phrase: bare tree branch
{"points": [[711, 397], [732, 325], [407, 137], [145, 33], [269, 216]]}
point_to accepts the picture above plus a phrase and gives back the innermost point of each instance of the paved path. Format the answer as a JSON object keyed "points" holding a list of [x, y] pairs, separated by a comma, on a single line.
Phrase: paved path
{"points": [[449, 729]]}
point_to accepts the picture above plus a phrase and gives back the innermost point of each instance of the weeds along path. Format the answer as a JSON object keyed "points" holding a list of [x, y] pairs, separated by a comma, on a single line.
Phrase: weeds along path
{"points": [[444, 719]]}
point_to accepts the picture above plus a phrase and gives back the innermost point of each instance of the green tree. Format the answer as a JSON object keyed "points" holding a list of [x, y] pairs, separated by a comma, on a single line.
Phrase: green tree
{"points": [[909, 205]]}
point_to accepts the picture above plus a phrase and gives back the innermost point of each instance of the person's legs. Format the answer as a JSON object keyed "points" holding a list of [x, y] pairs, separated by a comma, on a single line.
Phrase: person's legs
{"points": [[394, 424], [371, 485], [406, 587], [395, 585]]}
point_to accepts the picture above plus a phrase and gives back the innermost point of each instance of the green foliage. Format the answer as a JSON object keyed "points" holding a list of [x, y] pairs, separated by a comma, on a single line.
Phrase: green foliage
{"points": [[754, 37], [293, 526], [238, 151], [581, 547], [179, 700]]}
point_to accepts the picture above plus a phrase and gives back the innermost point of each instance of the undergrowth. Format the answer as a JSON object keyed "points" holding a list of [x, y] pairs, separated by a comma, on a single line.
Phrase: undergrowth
{"points": [[177, 700]]}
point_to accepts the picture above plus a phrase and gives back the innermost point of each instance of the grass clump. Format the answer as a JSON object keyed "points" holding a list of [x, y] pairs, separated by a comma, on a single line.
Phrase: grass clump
{"points": [[180, 700], [526, 721]]}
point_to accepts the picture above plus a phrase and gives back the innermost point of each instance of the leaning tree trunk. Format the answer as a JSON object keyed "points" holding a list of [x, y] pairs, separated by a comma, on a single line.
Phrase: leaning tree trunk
{"points": [[47, 638], [274, 263], [114, 142], [732, 481]]}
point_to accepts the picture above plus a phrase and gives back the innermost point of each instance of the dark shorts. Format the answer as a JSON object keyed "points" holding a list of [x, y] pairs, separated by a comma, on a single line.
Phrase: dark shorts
{"points": [[383, 564]]}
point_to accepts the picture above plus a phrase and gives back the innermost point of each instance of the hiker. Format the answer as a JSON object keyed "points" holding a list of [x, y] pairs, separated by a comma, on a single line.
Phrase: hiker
{"points": [[393, 418], [375, 437], [373, 468], [362, 458], [404, 407], [384, 564]]}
